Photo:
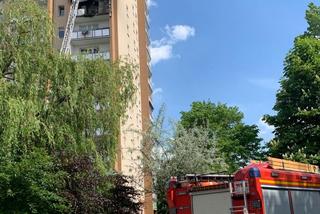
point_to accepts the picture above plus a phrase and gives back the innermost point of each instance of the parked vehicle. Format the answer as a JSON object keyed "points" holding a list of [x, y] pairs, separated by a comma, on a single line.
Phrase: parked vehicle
{"points": [[273, 187]]}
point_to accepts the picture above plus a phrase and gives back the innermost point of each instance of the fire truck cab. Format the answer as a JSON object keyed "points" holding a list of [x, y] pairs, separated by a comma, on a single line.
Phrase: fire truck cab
{"points": [[273, 187]]}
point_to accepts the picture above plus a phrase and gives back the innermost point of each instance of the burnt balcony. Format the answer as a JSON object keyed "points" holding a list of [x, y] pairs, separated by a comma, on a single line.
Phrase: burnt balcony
{"points": [[90, 8]]}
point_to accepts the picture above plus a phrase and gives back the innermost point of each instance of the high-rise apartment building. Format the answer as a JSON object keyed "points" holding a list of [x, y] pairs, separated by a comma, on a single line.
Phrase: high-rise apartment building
{"points": [[116, 29]]}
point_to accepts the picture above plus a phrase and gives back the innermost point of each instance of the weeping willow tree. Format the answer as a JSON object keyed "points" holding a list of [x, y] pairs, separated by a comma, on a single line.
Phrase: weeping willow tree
{"points": [[52, 109]]}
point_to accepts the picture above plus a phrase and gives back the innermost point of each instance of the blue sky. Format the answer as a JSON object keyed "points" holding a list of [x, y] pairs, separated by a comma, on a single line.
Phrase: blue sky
{"points": [[228, 51]]}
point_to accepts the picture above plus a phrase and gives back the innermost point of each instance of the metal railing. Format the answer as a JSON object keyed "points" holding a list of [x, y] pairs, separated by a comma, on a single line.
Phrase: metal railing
{"points": [[92, 56], [240, 188], [89, 34]]}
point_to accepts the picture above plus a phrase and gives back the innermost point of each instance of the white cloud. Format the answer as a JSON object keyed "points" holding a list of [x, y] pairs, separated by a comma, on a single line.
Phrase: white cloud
{"points": [[151, 3], [159, 53], [265, 130], [163, 49], [180, 32]]}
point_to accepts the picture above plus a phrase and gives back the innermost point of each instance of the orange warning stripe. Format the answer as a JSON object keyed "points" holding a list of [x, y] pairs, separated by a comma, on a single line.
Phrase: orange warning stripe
{"points": [[289, 183]]}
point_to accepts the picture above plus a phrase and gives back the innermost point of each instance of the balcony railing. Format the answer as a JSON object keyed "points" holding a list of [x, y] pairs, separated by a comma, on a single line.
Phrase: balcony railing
{"points": [[103, 55], [91, 34]]}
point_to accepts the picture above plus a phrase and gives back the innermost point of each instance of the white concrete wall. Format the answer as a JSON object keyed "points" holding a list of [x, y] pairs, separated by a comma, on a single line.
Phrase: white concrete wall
{"points": [[131, 128]]}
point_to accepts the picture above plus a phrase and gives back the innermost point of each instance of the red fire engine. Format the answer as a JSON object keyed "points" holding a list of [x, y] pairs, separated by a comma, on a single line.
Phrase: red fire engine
{"points": [[273, 187]]}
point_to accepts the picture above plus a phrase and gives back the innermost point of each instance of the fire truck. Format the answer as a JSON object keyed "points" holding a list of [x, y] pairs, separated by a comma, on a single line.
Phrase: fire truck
{"points": [[273, 187]]}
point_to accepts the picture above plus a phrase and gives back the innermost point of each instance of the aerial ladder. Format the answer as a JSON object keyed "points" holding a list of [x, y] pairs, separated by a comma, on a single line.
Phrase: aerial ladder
{"points": [[65, 47]]}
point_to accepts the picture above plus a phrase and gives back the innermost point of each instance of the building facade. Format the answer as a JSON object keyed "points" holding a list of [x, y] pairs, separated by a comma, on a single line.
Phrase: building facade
{"points": [[112, 30]]}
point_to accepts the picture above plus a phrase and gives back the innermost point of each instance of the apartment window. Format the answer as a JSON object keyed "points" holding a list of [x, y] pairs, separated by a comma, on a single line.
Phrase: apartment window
{"points": [[61, 32], [61, 10]]}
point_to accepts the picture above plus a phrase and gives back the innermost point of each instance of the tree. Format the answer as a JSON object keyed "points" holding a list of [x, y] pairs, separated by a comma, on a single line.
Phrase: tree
{"points": [[90, 191], [297, 119], [238, 142], [177, 152], [30, 185], [123, 198], [187, 153], [54, 111]]}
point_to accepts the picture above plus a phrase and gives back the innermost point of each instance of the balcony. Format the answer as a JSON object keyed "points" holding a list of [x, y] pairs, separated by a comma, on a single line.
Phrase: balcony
{"points": [[91, 34], [94, 7], [92, 56], [151, 104], [149, 70], [151, 117], [150, 85]]}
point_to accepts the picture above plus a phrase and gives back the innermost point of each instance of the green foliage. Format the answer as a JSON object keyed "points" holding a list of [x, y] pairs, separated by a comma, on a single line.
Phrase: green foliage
{"points": [[30, 185], [123, 198], [313, 19], [297, 126], [191, 151], [52, 110], [238, 142]]}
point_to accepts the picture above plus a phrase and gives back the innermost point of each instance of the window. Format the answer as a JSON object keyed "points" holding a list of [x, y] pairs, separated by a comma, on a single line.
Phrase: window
{"points": [[61, 10], [61, 32]]}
